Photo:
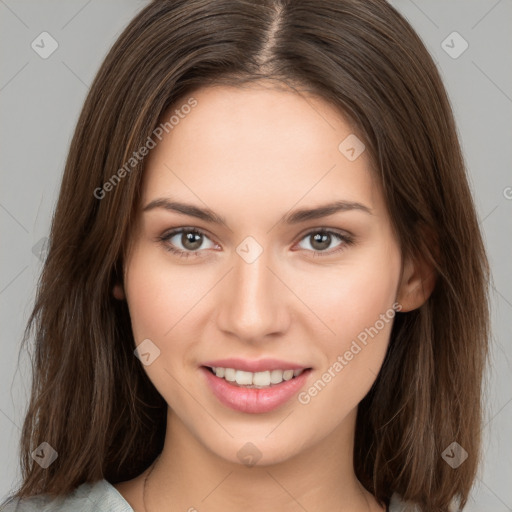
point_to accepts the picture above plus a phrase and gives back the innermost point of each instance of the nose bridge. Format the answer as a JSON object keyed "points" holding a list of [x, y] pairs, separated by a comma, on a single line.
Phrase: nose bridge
{"points": [[252, 305]]}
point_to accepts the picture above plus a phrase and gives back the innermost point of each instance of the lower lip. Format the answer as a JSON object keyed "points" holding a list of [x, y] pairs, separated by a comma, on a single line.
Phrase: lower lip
{"points": [[251, 400]]}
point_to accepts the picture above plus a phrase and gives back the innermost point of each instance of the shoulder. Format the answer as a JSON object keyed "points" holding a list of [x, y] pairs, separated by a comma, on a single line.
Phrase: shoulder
{"points": [[88, 497]]}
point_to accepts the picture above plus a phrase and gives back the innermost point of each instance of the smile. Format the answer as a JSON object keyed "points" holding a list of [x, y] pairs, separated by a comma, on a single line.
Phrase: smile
{"points": [[255, 380], [254, 392]]}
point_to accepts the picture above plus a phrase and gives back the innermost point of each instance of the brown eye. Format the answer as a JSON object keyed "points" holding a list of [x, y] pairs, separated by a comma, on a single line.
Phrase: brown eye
{"points": [[186, 242], [321, 240], [191, 240]]}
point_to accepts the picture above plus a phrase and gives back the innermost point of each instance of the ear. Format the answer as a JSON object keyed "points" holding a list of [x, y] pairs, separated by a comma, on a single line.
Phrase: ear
{"points": [[416, 285], [118, 291]]}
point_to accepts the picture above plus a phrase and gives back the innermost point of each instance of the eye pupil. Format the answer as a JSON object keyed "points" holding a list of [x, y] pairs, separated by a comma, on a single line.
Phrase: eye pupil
{"points": [[321, 241]]}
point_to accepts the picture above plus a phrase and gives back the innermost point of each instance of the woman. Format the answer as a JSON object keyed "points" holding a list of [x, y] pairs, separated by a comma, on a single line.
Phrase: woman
{"points": [[266, 285]]}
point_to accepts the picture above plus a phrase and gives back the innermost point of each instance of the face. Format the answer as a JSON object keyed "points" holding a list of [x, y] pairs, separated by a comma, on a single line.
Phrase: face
{"points": [[266, 287]]}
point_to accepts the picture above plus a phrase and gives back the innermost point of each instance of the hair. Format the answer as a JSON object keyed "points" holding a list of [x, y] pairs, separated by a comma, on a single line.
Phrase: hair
{"points": [[91, 399]]}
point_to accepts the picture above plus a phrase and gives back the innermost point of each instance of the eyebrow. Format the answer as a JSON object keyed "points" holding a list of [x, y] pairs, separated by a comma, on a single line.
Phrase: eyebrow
{"points": [[294, 217]]}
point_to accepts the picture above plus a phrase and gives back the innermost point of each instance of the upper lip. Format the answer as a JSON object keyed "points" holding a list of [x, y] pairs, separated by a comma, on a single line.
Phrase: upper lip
{"points": [[259, 365]]}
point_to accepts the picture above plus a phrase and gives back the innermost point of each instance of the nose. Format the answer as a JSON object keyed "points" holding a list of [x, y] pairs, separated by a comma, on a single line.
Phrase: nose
{"points": [[253, 303]]}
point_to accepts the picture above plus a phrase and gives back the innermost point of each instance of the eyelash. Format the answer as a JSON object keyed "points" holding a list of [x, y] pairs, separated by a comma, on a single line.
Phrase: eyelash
{"points": [[346, 239]]}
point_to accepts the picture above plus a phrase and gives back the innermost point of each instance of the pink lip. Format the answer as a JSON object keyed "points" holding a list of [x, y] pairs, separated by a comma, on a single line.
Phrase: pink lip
{"points": [[251, 400], [260, 365]]}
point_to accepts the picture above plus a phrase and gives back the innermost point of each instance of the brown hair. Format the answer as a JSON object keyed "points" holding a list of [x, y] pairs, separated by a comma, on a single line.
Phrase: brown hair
{"points": [[91, 399]]}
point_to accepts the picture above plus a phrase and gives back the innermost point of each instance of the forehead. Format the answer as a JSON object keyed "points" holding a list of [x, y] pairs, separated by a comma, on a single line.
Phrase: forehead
{"points": [[248, 146]]}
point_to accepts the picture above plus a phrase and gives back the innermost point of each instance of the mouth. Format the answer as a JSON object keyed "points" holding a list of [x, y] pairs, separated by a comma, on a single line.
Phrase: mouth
{"points": [[255, 380], [254, 392]]}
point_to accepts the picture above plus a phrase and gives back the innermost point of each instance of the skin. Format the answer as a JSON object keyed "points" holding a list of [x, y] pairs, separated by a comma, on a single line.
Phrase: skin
{"points": [[252, 155]]}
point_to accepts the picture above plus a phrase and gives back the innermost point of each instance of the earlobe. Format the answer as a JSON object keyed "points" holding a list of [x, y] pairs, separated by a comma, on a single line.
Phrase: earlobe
{"points": [[118, 291], [417, 283]]}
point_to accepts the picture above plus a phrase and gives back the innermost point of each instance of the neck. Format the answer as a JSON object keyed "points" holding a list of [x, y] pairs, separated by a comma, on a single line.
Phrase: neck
{"points": [[191, 477]]}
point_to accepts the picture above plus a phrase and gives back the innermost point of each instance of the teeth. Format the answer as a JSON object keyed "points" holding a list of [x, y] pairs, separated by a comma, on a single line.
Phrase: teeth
{"points": [[276, 376], [243, 378], [257, 379], [261, 379], [229, 374], [288, 374]]}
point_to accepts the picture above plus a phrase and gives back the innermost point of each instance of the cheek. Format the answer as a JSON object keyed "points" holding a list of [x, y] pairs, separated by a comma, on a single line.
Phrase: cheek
{"points": [[352, 296], [159, 294], [356, 302], [161, 298]]}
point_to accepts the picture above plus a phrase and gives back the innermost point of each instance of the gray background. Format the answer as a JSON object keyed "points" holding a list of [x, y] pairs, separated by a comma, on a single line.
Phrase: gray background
{"points": [[40, 100]]}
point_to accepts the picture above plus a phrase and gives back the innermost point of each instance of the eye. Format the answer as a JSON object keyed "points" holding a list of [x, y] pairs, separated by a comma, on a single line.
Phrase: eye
{"points": [[185, 242], [321, 239]]}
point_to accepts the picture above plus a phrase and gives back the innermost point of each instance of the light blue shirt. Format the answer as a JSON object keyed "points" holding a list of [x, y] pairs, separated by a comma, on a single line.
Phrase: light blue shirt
{"points": [[102, 496]]}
